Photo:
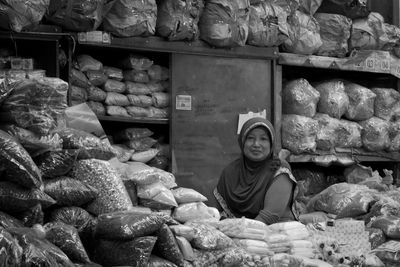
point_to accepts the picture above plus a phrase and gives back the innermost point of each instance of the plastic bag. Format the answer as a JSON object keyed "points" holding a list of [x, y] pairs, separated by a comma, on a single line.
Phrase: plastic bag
{"points": [[299, 97], [299, 133], [78, 94], [114, 86], [352, 9], [160, 162], [243, 228], [385, 102], [342, 198], [33, 143], [113, 73], [142, 174], [140, 100], [116, 99], [97, 107], [207, 237], [267, 25], [38, 251], [56, 163], [33, 215], [333, 98], [177, 20], [88, 144], [186, 195], [304, 37], [18, 15], [361, 102], [390, 225], [131, 18], [167, 247], [141, 144], [117, 111], [389, 251], [160, 99], [11, 250], [394, 136], [112, 193], [77, 217], [137, 88], [183, 230], [124, 154], [128, 225], [138, 76], [314, 179], [96, 77], [310, 6], [79, 79], [154, 112], [225, 23], [88, 63], [67, 239], [335, 33], [77, 15], [132, 134], [134, 252], [155, 261], [375, 134], [158, 73], [369, 33], [96, 94], [144, 156], [157, 192], [194, 211], [136, 62], [17, 163], [15, 198], [69, 192], [8, 221], [376, 237]]}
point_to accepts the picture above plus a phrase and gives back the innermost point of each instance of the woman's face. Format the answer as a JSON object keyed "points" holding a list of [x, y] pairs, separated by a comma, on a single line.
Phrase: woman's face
{"points": [[257, 146]]}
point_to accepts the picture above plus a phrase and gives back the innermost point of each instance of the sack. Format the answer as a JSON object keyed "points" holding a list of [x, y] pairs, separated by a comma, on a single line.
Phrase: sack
{"points": [[375, 134], [127, 225], [78, 16], [394, 136], [67, 239], [361, 102], [131, 18], [299, 97], [117, 111], [267, 25], [158, 73], [17, 163], [100, 175], [113, 73], [135, 252], [96, 94], [88, 63], [96, 77], [177, 20], [304, 37], [299, 133], [225, 23], [79, 79], [116, 99], [56, 163], [78, 94], [335, 33], [167, 247], [97, 107], [140, 100], [69, 192], [132, 134], [136, 62], [114, 86], [138, 76], [333, 98], [352, 9], [19, 15], [160, 99], [385, 102]]}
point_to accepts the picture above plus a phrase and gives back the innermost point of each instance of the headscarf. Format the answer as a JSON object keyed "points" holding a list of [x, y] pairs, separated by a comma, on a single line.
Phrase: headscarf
{"points": [[244, 182]]}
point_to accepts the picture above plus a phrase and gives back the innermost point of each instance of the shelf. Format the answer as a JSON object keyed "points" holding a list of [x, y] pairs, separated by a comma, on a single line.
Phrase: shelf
{"points": [[158, 44], [344, 156], [372, 61], [134, 120]]}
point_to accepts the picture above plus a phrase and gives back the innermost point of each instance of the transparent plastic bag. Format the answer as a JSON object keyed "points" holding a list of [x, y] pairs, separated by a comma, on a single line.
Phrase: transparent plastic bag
{"points": [[299, 97], [15, 198], [141, 144], [390, 225], [361, 105], [114, 86], [144, 156], [140, 100], [155, 261], [33, 215], [96, 77], [167, 247], [333, 98], [243, 228], [97, 107], [385, 102], [207, 237], [136, 88], [132, 134], [138, 112], [194, 211], [113, 73], [394, 136], [136, 62], [186, 195], [56, 163], [100, 175], [160, 99], [69, 192], [78, 94], [8, 221], [138, 76], [375, 134], [123, 153], [159, 73], [116, 99], [157, 192], [17, 163], [299, 133], [67, 239], [78, 78], [117, 111], [11, 250], [96, 94], [128, 225], [87, 63], [142, 174]]}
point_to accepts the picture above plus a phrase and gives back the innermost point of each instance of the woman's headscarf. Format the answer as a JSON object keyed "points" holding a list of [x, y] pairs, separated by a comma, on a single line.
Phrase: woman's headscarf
{"points": [[244, 182]]}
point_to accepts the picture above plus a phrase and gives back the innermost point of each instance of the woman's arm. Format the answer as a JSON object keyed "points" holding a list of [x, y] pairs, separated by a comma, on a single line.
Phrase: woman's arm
{"points": [[276, 200]]}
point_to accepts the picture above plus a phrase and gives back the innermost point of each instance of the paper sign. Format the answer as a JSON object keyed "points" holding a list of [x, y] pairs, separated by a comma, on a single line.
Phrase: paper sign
{"points": [[184, 102], [247, 116]]}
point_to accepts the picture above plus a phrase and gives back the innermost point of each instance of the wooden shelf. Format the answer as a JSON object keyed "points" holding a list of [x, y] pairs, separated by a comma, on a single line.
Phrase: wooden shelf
{"points": [[371, 61], [134, 120], [158, 44]]}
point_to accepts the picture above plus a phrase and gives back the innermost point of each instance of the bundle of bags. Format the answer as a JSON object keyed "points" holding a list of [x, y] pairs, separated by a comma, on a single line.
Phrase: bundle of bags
{"points": [[137, 89], [339, 114]]}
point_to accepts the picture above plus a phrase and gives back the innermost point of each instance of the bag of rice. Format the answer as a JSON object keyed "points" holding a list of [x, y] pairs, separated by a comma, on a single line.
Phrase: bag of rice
{"points": [[333, 98]]}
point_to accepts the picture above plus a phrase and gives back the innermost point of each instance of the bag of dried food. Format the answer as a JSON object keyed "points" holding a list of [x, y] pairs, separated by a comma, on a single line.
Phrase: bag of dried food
{"points": [[78, 78], [314, 179], [100, 175], [33, 215], [97, 107], [19, 15], [140, 100], [56, 163], [167, 246], [158, 73], [96, 94], [141, 144], [361, 102], [132, 133], [114, 86], [76, 15], [225, 23], [116, 99], [177, 19], [17, 163], [299, 97], [267, 25], [352, 9], [78, 94], [113, 73], [96, 77], [385, 102], [135, 252], [139, 76], [335, 33], [187, 195], [128, 18], [310, 6], [70, 192], [207, 237], [290, 6], [66, 237], [144, 156], [158, 193], [87, 63], [394, 136], [117, 111], [333, 98], [299, 133], [375, 134], [8, 221], [194, 211], [304, 37]]}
